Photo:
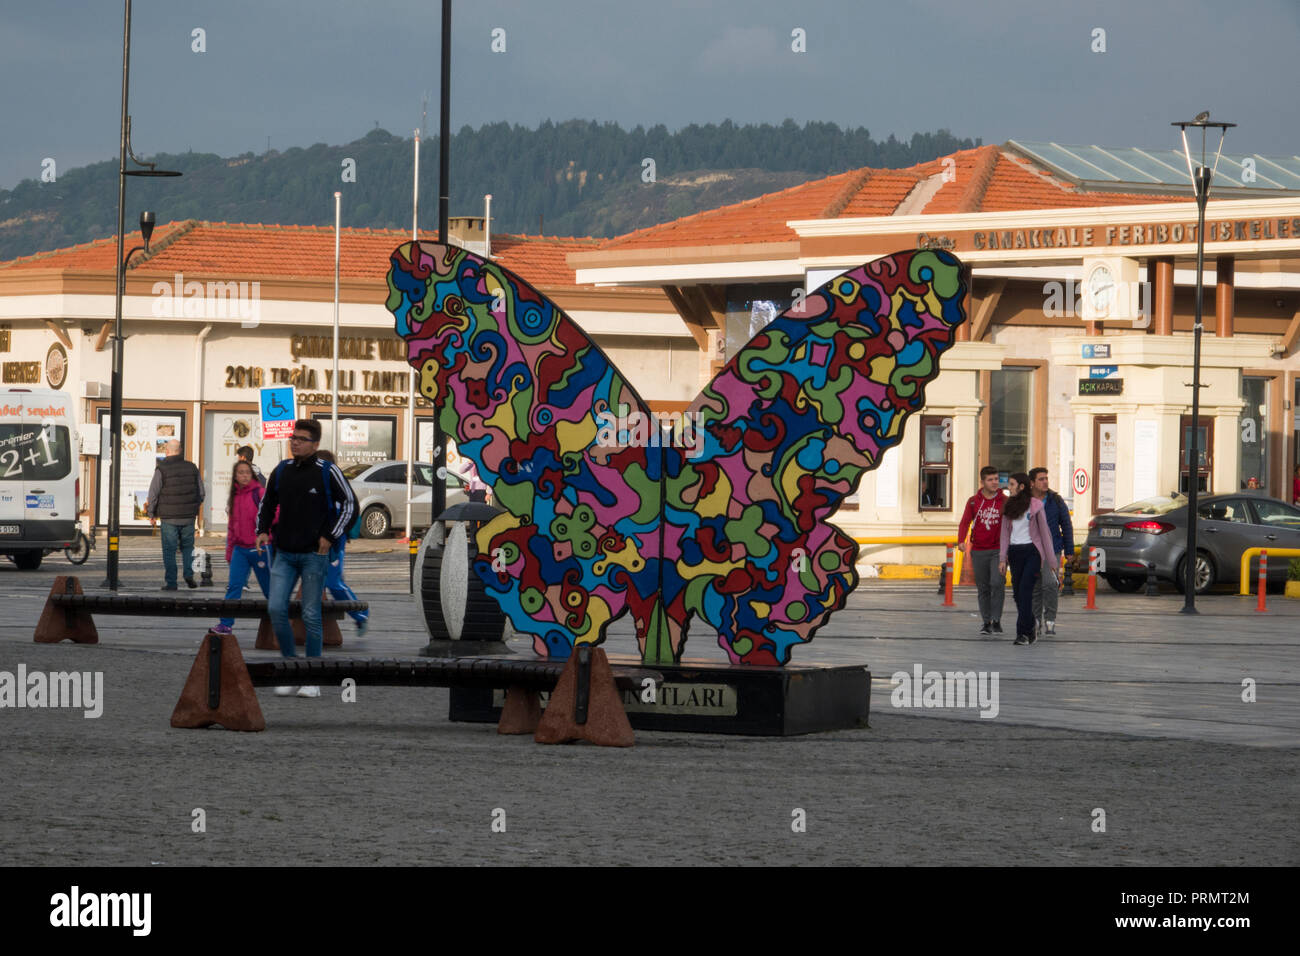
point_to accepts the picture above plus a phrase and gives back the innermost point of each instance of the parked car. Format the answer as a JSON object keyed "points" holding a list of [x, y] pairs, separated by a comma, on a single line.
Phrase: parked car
{"points": [[1155, 529], [380, 488]]}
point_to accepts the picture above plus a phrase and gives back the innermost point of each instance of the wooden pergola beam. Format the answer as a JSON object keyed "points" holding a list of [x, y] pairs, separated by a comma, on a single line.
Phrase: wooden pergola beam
{"points": [[988, 305], [1291, 334], [60, 332], [699, 300], [694, 324]]}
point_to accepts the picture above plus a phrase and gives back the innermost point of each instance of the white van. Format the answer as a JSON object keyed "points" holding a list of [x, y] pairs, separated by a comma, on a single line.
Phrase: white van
{"points": [[39, 482]]}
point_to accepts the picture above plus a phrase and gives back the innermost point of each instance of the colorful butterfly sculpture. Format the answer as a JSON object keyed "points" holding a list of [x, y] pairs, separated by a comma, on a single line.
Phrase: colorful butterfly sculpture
{"points": [[725, 516]]}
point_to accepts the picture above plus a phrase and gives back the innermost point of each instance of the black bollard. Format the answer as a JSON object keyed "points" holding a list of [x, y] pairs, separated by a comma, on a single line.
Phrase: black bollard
{"points": [[1153, 589], [943, 572], [214, 671], [1069, 578]]}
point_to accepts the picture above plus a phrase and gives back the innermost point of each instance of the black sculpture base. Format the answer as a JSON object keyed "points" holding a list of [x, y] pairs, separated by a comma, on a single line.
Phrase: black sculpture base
{"points": [[707, 697], [463, 648]]}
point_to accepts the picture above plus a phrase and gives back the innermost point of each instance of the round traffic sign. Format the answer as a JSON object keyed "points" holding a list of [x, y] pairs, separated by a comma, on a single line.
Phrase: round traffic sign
{"points": [[1080, 481]]}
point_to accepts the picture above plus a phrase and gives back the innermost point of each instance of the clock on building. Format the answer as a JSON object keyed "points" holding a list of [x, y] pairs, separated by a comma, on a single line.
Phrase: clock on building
{"points": [[1110, 290], [1099, 287]]}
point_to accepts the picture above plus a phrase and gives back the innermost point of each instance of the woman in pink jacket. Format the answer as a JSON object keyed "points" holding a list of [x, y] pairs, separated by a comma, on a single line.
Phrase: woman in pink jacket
{"points": [[1026, 545], [242, 553]]}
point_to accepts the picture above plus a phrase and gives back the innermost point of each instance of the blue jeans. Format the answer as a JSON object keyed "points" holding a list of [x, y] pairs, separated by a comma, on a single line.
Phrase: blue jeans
{"points": [[243, 560], [1025, 562], [288, 568], [337, 587], [174, 536]]}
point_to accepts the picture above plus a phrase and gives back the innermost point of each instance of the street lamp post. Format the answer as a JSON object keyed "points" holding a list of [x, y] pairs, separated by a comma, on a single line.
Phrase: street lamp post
{"points": [[1201, 178], [146, 230]]}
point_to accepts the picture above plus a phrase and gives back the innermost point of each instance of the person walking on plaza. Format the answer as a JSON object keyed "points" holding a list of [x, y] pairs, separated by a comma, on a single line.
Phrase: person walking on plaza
{"points": [[316, 506], [242, 553], [1026, 545], [1047, 590], [984, 514], [334, 582], [175, 494]]}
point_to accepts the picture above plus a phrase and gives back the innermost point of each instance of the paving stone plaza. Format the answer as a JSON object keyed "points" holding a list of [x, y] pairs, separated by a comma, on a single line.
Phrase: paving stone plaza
{"points": [[1132, 709]]}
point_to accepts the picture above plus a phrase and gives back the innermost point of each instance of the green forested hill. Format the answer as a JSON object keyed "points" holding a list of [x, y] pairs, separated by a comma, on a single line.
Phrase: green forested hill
{"points": [[570, 178]]}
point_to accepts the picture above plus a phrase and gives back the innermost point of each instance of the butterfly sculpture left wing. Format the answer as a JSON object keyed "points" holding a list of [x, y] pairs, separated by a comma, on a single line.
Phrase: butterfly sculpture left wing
{"points": [[524, 393]]}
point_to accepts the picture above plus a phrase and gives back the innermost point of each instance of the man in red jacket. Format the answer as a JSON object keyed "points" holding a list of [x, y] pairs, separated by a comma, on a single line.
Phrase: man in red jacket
{"points": [[984, 511]]}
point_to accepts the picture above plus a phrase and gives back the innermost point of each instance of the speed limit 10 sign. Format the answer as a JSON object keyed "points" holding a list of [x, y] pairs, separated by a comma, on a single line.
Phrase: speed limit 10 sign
{"points": [[1080, 481]]}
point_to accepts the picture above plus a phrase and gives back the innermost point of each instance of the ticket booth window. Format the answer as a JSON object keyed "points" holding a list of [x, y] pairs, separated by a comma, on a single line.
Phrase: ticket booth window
{"points": [[1205, 459], [936, 463]]}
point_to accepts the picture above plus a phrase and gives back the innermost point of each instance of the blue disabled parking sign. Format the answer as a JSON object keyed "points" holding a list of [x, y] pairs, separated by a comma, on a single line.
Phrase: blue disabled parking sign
{"points": [[279, 411]]}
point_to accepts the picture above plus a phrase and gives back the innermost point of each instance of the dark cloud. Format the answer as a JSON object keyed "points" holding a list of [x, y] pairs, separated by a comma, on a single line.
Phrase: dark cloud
{"points": [[306, 71]]}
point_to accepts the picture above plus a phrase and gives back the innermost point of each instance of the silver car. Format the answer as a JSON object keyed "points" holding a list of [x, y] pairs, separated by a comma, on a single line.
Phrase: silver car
{"points": [[1155, 531], [380, 488]]}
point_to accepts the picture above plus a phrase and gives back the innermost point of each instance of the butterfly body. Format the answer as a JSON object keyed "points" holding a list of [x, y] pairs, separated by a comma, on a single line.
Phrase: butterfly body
{"points": [[730, 527]]}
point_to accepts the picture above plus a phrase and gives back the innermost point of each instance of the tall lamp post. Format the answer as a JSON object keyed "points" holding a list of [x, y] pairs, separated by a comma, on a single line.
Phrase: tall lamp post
{"points": [[146, 230], [1201, 177]]}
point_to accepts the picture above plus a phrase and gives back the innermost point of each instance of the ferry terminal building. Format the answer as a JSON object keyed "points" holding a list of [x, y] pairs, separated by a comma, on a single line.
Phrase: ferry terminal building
{"points": [[1052, 237]]}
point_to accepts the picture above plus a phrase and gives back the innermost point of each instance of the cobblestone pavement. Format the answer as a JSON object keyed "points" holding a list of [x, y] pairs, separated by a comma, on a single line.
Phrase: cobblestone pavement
{"points": [[1130, 709]]}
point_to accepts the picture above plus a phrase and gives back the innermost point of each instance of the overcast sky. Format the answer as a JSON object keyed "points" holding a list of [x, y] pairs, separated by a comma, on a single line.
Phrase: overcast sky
{"points": [[309, 71]]}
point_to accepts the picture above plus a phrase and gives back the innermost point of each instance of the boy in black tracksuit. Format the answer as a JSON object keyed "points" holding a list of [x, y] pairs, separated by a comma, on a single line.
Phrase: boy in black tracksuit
{"points": [[316, 506]]}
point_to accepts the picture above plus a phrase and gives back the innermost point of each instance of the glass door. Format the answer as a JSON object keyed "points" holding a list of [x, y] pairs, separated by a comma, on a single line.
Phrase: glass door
{"points": [[1205, 460]]}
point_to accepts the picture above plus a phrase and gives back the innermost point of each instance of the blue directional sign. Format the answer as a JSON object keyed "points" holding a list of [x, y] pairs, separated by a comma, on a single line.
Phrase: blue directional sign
{"points": [[279, 411]]}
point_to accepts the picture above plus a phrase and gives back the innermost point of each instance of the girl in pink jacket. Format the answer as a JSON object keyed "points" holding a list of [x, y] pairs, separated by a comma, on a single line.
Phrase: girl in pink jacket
{"points": [[1026, 544], [242, 554]]}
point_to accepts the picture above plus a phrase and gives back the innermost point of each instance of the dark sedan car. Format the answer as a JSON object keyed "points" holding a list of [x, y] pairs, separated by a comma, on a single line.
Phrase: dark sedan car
{"points": [[1156, 530]]}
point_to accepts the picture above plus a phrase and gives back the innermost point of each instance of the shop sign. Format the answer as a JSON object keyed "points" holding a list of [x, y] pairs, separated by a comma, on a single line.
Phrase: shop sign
{"points": [[279, 412], [1103, 371], [1096, 351], [144, 435], [1101, 386]]}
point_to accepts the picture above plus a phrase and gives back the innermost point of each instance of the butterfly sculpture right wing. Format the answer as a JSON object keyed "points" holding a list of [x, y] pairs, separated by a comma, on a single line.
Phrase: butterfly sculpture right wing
{"points": [[785, 432]]}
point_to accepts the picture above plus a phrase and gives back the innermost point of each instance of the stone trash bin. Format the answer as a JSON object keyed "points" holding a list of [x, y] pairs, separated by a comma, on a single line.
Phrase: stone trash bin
{"points": [[461, 617]]}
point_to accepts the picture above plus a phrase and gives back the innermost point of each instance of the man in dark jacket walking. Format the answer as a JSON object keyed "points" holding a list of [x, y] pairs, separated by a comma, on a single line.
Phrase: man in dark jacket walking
{"points": [[1047, 589], [316, 506], [175, 494]]}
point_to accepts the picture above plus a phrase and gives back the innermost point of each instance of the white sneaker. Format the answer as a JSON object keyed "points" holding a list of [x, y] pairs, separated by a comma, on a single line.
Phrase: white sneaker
{"points": [[285, 691], [1051, 626], [308, 691]]}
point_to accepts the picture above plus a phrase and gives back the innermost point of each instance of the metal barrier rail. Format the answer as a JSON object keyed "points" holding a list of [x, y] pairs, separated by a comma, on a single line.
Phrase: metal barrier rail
{"points": [[1255, 552]]}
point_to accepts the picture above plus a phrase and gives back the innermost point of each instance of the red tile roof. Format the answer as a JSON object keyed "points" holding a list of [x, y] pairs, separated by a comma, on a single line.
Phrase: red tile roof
{"points": [[273, 251], [755, 220], [984, 179]]}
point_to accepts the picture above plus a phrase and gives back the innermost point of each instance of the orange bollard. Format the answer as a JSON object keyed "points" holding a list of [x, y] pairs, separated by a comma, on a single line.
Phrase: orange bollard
{"points": [[1091, 604], [1263, 580], [947, 587]]}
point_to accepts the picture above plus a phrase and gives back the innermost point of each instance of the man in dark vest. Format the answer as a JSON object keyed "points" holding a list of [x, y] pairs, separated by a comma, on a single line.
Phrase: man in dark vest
{"points": [[174, 498]]}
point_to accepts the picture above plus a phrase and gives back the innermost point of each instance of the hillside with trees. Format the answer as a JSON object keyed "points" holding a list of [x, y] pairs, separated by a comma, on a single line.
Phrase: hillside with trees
{"points": [[571, 178]]}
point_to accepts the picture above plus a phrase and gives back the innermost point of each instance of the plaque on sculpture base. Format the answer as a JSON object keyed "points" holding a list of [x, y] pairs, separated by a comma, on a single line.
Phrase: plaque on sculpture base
{"points": [[711, 697]]}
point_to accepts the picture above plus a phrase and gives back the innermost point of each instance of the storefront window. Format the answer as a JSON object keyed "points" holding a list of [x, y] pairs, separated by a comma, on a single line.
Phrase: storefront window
{"points": [[936, 463], [751, 307], [1009, 418], [1254, 432], [362, 438]]}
